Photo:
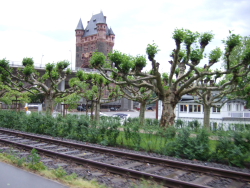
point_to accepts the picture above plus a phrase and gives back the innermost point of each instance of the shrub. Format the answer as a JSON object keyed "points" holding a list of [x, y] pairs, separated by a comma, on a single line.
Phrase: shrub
{"points": [[189, 147], [231, 149]]}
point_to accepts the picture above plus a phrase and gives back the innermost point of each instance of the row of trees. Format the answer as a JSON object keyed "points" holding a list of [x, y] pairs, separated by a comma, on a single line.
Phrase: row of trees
{"points": [[122, 76], [191, 77]]}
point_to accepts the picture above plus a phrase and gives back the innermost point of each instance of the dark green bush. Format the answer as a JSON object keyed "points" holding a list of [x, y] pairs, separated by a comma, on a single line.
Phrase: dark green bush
{"points": [[229, 151], [189, 147]]}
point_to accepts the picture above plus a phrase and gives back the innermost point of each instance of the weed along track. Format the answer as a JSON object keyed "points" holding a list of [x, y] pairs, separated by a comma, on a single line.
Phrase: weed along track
{"points": [[167, 172]]}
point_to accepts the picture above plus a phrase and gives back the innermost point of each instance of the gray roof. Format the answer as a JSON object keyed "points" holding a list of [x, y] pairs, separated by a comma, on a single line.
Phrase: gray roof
{"points": [[187, 98], [91, 28], [111, 32], [80, 26]]}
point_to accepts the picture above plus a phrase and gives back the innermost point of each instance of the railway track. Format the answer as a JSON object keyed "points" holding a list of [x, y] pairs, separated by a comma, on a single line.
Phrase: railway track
{"points": [[167, 172]]}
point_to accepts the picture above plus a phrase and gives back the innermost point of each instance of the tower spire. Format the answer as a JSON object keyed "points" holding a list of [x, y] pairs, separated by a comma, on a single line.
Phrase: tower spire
{"points": [[80, 25]]}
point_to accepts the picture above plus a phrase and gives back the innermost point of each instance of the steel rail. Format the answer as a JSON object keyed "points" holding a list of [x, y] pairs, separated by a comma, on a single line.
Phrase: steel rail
{"points": [[175, 164], [111, 168]]}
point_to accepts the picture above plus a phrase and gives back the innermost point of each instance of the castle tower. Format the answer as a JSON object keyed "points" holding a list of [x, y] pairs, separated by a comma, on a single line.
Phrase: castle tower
{"points": [[95, 37]]}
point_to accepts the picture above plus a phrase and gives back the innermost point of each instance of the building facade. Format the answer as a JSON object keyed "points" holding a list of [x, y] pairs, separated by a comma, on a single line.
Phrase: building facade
{"points": [[97, 36], [232, 112]]}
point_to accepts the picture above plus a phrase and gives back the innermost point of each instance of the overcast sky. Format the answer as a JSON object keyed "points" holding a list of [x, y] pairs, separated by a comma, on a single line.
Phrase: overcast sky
{"points": [[45, 30]]}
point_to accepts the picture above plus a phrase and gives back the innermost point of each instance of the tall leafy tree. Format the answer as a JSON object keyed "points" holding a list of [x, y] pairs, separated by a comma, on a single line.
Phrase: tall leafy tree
{"points": [[186, 58]]}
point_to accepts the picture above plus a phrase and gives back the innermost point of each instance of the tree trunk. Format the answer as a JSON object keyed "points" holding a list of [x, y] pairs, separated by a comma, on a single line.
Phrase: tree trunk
{"points": [[92, 110], [97, 111], [206, 118], [168, 110], [142, 112], [49, 101]]}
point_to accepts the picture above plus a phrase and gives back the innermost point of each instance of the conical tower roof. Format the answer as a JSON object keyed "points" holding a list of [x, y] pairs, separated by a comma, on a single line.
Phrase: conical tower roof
{"points": [[111, 32], [80, 25]]}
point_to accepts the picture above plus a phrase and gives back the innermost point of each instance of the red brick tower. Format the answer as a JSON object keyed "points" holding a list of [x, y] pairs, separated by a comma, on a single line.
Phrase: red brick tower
{"points": [[95, 37]]}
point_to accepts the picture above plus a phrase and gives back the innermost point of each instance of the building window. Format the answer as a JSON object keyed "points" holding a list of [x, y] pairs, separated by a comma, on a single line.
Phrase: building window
{"points": [[195, 108], [237, 107], [183, 108], [216, 109], [190, 108], [229, 107]]}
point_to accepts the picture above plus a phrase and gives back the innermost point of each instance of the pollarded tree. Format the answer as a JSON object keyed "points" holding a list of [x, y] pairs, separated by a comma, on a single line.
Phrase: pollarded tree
{"points": [[95, 88], [216, 99], [186, 58], [142, 95], [28, 79], [237, 55]]}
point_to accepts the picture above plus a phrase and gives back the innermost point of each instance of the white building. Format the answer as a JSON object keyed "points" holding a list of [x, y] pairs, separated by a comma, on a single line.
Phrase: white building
{"points": [[232, 112]]}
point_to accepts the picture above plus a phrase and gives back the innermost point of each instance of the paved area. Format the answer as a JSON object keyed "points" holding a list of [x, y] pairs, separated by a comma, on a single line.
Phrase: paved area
{"points": [[13, 177]]}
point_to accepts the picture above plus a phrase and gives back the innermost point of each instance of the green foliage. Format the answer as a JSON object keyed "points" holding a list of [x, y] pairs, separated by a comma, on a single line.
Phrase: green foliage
{"points": [[49, 67], [169, 133], [133, 133], [194, 125], [196, 55], [165, 77], [28, 70], [139, 63], [116, 57], [152, 50], [97, 59], [179, 35], [15, 95], [190, 37], [205, 38], [4, 63], [246, 56], [179, 123], [215, 55], [232, 41], [189, 147], [232, 149], [34, 161], [122, 61], [59, 172], [27, 61], [182, 54], [61, 65]]}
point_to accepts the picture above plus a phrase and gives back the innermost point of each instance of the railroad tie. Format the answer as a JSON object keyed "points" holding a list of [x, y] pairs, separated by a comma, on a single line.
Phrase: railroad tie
{"points": [[153, 169], [203, 180], [176, 174], [131, 165]]}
